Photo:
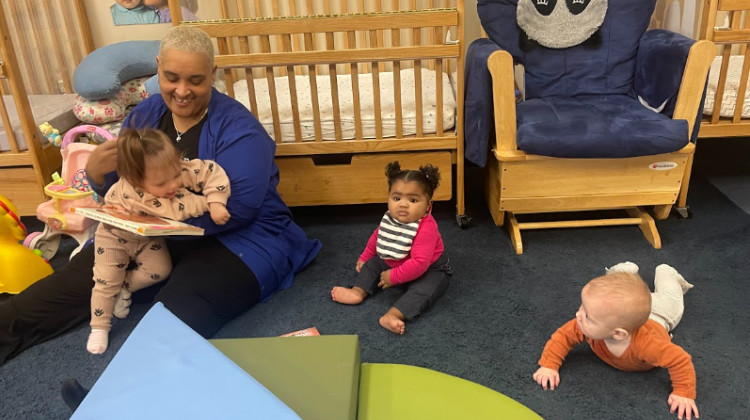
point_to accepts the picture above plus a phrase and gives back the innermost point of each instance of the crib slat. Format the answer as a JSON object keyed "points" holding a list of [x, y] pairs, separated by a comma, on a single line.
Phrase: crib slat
{"points": [[23, 50], [355, 89], [380, 36], [249, 78], [719, 95], [418, 96], [57, 37], [313, 75], [36, 28], [398, 109], [224, 9], [241, 9], [252, 95], [334, 90], [265, 43], [418, 82], [84, 29], [295, 38], [291, 77], [223, 47], [375, 71], [739, 102], [295, 106], [75, 51], [439, 98], [376, 102]]}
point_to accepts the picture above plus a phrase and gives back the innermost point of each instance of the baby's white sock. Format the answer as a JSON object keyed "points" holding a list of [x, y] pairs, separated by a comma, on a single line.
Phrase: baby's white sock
{"points": [[98, 341], [122, 304], [624, 267]]}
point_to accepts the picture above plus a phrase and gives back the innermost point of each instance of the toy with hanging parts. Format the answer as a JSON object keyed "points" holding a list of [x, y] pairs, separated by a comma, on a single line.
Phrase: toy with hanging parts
{"points": [[68, 189]]}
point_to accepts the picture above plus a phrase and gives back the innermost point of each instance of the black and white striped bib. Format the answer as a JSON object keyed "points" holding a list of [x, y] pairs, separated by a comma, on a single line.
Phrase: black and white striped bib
{"points": [[395, 238]]}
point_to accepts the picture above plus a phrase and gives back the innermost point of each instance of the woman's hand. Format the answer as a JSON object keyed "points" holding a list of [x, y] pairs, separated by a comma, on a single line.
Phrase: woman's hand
{"points": [[102, 161]]}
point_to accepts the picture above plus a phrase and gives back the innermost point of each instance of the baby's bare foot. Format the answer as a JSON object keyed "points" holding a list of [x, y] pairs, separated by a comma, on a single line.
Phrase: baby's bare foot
{"points": [[392, 323], [346, 295]]}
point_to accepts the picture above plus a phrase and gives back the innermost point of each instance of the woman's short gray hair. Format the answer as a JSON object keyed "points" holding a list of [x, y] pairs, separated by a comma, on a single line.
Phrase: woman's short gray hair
{"points": [[188, 39]]}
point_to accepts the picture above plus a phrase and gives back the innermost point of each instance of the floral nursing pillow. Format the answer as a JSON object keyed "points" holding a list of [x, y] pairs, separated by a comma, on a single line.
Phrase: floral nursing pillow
{"points": [[112, 109]]}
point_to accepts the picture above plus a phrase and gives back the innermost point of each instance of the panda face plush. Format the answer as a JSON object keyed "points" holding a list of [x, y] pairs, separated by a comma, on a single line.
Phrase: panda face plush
{"points": [[560, 23]]}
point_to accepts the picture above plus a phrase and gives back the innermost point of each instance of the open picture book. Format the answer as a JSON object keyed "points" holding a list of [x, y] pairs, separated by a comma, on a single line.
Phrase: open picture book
{"points": [[137, 223]]}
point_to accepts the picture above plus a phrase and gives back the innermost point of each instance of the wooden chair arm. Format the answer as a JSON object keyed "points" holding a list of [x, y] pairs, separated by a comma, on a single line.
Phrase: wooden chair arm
{"points": [[694, 77], [500, 65]]}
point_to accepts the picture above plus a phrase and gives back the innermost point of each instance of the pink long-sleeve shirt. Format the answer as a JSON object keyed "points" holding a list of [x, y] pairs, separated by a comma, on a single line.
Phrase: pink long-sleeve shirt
{"points": [[426, 248]]}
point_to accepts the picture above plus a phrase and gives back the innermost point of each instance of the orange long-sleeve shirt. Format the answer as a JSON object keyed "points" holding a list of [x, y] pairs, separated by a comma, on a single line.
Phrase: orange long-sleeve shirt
{"points": [[650, 346]]}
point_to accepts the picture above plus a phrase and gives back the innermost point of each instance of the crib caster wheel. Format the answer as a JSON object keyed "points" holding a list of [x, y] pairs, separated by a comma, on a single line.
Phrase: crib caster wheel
{"points": [[463, 220], [683, 212], [48, 245]]}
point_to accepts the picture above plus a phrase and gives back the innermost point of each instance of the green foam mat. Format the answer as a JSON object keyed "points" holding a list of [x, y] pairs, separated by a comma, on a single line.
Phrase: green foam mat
{"points": [[393, 392], [317, 377]]}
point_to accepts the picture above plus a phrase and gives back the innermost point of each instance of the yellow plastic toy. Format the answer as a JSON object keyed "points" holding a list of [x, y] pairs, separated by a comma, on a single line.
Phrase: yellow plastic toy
{"points": [[52, 134], [20, 267]]}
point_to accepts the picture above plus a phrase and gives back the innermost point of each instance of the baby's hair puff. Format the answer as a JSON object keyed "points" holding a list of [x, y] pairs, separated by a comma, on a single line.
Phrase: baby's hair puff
{"points": [[428, 176], [134, 147]]}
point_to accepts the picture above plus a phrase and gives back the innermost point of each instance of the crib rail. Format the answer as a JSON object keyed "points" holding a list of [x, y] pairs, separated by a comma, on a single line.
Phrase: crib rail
{"points": [[727, 24], [358, 45]]}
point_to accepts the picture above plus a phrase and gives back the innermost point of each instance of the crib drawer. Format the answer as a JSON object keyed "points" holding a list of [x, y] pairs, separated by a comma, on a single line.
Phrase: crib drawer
{"points": [[21, 187], [361, 180]]}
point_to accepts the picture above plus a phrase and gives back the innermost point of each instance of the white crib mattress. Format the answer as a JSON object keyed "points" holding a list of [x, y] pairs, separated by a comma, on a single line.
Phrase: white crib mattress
{"points": [[731, 88], [388, 115], [55, 109]]}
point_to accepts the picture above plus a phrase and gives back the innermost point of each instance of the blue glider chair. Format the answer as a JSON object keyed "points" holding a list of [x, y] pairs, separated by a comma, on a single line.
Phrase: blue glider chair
{"points": [[602, 117]]}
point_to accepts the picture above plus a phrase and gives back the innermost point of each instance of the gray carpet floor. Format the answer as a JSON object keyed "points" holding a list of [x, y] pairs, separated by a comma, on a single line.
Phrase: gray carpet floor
{"points": [[492, 324]]}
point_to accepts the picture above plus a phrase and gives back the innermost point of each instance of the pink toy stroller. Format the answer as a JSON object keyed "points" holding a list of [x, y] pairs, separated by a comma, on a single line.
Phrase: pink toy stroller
{"points": [[69, 190]]}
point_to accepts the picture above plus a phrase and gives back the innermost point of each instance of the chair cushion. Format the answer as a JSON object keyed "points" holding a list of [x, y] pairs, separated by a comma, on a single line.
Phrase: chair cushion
{"points": [[596, 126]]}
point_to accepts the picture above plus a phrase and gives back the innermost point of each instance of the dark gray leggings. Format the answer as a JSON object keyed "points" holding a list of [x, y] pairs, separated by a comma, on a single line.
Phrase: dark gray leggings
{"points": [[419, 294]]}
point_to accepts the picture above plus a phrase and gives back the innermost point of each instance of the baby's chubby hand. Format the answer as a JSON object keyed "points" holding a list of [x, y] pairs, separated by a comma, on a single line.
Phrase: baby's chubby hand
{"points": [[385, 279], [360, 263], [682, 405], [219, 213], [547, 377]]}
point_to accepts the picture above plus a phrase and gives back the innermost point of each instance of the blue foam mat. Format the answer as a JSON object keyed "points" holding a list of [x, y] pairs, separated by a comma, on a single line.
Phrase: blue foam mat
{"points": [[166, 370]]}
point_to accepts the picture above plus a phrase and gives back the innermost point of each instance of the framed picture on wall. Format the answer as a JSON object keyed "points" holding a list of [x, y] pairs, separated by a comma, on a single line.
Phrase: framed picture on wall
{"points": [[134, 12]]}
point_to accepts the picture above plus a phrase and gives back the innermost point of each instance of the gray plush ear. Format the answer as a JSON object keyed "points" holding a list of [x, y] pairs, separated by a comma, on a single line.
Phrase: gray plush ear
{"points": [[560, 23]]}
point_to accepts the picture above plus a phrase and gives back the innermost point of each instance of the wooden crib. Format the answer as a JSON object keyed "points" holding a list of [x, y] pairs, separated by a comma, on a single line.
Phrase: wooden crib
{"points": [[34, 73], [344, 87], [726, 112]]}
